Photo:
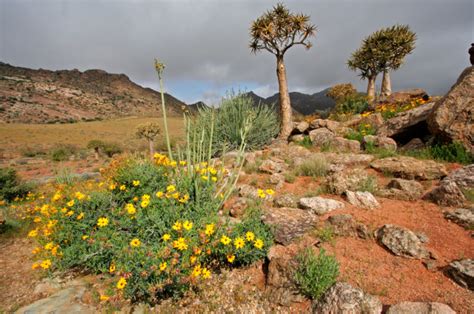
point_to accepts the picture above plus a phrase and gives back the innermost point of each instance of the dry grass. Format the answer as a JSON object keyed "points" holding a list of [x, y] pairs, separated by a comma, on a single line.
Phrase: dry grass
{"points": [[15, 137]]}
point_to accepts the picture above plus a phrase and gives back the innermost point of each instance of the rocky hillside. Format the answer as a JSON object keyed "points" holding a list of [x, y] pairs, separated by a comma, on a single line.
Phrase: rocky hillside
{"points": [[43, 96]]}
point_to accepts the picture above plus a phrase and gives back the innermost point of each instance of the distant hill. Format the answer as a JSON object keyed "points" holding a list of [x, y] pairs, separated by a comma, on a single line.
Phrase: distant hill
{"points": [[197, 105], [44, 96]]}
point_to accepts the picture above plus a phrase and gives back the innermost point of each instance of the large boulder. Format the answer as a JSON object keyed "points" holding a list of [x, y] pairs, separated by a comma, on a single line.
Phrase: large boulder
{"points": [[406, 95], [401, 189], [345, 225], [462, 216], [340, 144], [341, 181], [449, 192], [343, 298], [410, 168], [319, 205], [420, 308], [462, 272], [452, 117], [331, 125], [321, 137], [380, 142], [362, 199], [401, 242], [289, 223]]}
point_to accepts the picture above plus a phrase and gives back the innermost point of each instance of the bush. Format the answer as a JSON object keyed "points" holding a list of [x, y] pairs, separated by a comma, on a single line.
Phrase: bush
{"points": [[315, 274], [62, 152], [353, 104], [453, 152], [110, 149], [341, 92], [236, 113], [11, 187], [315, 166]]}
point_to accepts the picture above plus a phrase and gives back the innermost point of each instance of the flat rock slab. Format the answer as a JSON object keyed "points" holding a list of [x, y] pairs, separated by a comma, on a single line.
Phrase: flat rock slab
{"points": [[289, 223], [420, 308], [343, 298], [401, 189], [362, 199], [462, 272], [319, 205], [402, 242], [65, 301], [462, 216], [410, 168]]}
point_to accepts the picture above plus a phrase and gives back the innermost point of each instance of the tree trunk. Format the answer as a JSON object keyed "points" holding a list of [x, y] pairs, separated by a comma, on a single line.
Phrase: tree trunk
{"points": [[371, 89], [386, 89], [151, 145], [285, 106], [96, 153]]}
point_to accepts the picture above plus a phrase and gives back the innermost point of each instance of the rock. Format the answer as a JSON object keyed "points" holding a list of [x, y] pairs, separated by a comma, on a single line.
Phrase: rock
{"points": [[380, 142], [343, 298], [289, 223], [246, 190], [351, 180], [362, 199], [401, 242], [452, 116], [340, 144], [462, 272], [297, 138], [463, 177], [237, 209], [400, 189], [447, 194], [406, 95], [64, 301], [321, 137], [331, 125], [349, 159], [406, 121], [410, 168], [286, 200], [413, 144], [319, 205], [47, 287], [345, 225], [375, 120], [271, 166], [462, 216], [301, 127], [420, 308]]}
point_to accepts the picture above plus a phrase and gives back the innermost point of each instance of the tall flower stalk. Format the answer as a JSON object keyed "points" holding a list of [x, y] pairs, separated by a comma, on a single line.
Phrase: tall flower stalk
{"points": [[159, 70]]}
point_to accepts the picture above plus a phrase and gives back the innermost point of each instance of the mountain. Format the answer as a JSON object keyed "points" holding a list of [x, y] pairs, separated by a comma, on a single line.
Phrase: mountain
{"points": [[304, 103], [44, 96], [196, 106]]}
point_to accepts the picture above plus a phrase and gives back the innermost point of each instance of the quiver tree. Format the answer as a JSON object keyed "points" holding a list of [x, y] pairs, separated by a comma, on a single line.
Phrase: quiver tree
{"points": [[276, 31], [364, 60], [392, 44], [96, 145], [148, 131]]}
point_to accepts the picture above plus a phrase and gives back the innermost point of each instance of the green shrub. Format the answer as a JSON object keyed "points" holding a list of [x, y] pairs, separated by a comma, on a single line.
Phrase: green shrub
{"points": [[315, 274], [368, 184], [110, 149], [316, 166], [453, 152], [62, 152], [64, 176], [237, 112], [352, 104], [33, 151], [306, 142], [11, 186]]}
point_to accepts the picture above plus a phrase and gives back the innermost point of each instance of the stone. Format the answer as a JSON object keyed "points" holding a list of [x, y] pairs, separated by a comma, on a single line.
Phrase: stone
{"points": [[331, 125], [463, 177], [237, 209], [400, 189], [452, 117], [343, 298], [301, 127], [406, 95], [410, 168], [447, 194], [321, 137], [420, 308], [271, 166], [340, 144], [286, 200], [47, 286], [413, 144], [289, 223], [297, 138], [319, 205], [380, 142], [462, 216], [401, 242], [362, 199], [351, 180], [345, 225], [246, 190], [349, 159], [462, 272]]}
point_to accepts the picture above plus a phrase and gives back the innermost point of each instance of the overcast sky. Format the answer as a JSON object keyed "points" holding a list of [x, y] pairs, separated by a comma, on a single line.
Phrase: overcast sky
{"points": [[204, 43]]}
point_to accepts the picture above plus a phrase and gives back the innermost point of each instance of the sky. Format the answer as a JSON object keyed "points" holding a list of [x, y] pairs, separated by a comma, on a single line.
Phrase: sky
{"points": [[204, 43]]}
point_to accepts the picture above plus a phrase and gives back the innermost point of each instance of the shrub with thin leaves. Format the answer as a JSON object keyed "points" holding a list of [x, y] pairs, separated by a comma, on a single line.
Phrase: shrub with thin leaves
{"points": [[316, 166], [11, 187], [315, 273]]}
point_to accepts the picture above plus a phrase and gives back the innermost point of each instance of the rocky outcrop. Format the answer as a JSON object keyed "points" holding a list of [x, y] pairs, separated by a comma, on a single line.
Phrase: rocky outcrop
{"points": [[401, 242], [345, 225], [462, 272], [286, 200], [407, 95], [420, 308], [400, 189], [362, 199], [452, 117], [462, 216], [343, 298], [272, 166], [410, 168], [289, 223], [319, 205], [321, 137], [341, 181], [449, 192], [379, 142]]}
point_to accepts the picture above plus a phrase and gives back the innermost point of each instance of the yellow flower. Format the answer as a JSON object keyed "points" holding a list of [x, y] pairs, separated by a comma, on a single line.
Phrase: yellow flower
{"points": [[261, 193], [184, 199], [80, 216], [49, 246], [205, 178], [70, 203], [258, 244], [214, 179], [136, 182], [122, 188], [192, 259], [70, 213], [102, 222], [135, 198], [104, 298], [205, 273], [180, 244], [112, 268], [163, 266], [79, 195], [166, 237], [175, 195], [209, 229], [177, 226], [182, 163], [112, 186], [197, 271], [46, 264], [84, 237], [250, 236], [225, 240], [173, 164], [37, 219], [63, 210], [269, 191], [144, 203], [33, 233], [145, 197], [170, 188], [159, 194], [131, 210], [135, 243], [121, 283], [35, 266], [239, 243], [231, 258], [47, 232], [187, 225], [56, 197], [36, 250]]}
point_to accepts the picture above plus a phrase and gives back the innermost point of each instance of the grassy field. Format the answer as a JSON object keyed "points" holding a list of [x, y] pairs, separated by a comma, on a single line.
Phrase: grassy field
{"points": [[16, 137]]}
